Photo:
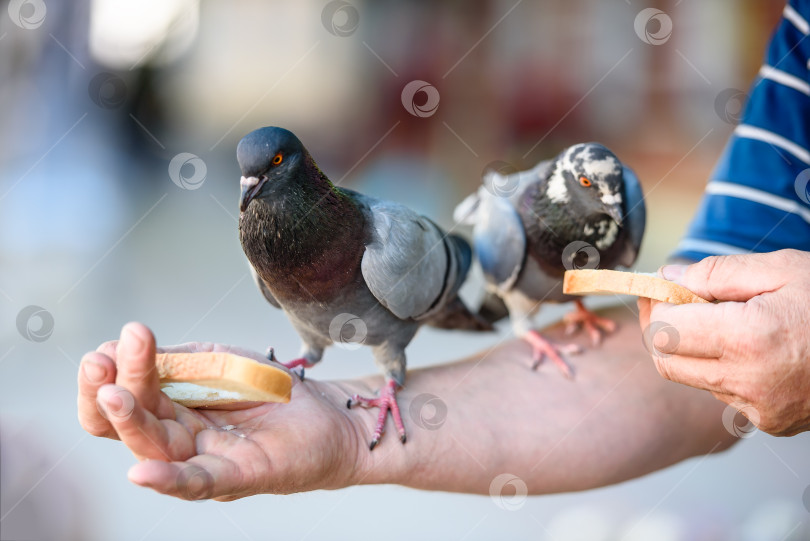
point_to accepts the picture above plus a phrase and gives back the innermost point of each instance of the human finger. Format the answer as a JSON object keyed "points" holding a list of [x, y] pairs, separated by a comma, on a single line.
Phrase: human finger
{"points": [[700, 373], [694, 330], [95, 370], [732, 277], [140, 430], [135, 360], [203, 477]]}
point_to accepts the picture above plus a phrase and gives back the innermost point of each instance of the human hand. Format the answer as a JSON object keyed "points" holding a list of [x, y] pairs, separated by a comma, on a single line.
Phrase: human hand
{"points": [[312, 442], [469, 421], [753, 351]]}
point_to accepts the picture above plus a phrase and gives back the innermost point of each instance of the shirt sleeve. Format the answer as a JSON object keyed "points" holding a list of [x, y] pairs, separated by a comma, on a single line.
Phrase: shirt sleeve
{"points": [[758, 197]]}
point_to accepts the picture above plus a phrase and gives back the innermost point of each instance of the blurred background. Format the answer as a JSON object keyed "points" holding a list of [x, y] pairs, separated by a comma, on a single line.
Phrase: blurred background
{"points": [[118, 202]]}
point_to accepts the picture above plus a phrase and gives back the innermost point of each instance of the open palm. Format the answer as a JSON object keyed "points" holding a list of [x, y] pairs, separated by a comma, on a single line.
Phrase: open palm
{"points": [[311, 442]]}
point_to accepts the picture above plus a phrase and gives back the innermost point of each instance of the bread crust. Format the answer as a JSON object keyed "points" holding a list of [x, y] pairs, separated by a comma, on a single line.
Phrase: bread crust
{"points": [[220, 379], [602, 282]]}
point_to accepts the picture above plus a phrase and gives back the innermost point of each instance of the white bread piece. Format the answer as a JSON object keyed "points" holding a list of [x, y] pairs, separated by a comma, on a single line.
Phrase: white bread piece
{"points": [[602, 282], [198, 380]]}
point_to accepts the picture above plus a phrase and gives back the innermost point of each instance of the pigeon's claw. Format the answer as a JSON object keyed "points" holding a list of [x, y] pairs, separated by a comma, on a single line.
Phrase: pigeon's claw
{"points": [[271, 354], [299, 362], [295, 363], [542, 348], [387, 401], [593, 324]]}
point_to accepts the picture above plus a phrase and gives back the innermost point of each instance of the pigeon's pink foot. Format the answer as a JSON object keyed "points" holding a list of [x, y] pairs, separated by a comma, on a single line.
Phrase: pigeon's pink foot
{"points": [[386, 401], [541, 347], [301, 363], [595, 325], [295, 363]]}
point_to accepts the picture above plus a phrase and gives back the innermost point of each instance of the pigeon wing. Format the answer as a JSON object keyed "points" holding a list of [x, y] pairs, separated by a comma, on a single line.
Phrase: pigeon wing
{"points": [[263, 288], [500, 241], [410, 265], [635, 218]]}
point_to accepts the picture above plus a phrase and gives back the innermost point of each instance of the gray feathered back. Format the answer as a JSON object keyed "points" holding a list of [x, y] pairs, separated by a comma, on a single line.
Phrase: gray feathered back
{"points": [[409, 266]]}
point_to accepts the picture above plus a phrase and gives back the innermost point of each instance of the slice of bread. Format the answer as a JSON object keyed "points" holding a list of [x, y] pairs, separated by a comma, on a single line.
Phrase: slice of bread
{"points": [[198, 380], [602, 282]]}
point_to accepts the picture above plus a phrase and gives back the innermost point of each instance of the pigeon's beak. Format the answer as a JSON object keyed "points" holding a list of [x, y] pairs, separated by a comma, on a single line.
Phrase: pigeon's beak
{"points": [[250, 187], [615, 212]]}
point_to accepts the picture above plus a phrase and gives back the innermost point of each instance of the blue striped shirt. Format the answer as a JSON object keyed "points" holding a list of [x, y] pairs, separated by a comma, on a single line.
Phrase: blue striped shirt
{"points": [[758, 198]]}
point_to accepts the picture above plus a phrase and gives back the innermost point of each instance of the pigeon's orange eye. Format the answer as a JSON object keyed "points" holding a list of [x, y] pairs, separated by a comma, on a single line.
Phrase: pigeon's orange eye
{"points": [[277, 159], [585, 181]]}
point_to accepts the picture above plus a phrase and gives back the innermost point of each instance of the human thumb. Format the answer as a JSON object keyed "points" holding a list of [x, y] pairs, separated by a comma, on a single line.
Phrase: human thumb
{"points": [[731, 278]]}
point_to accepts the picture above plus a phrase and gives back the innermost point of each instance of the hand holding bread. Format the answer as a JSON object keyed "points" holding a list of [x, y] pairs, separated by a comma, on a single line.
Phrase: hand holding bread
{"points": [[734, 325], [214, 452], [750, 351]]}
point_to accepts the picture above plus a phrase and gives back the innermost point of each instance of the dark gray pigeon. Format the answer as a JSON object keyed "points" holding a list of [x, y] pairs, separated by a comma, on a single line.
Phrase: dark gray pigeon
{"points": [[336, 261], [581, 209]]}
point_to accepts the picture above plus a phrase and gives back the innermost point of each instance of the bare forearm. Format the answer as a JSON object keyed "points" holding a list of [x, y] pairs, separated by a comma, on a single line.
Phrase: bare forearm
{"points": [[491, 415]]}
